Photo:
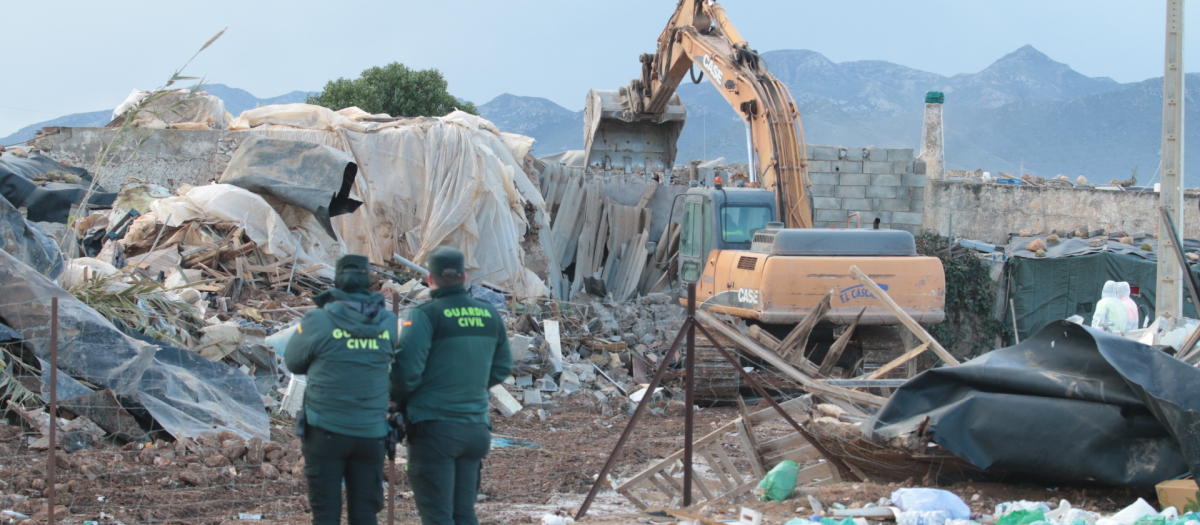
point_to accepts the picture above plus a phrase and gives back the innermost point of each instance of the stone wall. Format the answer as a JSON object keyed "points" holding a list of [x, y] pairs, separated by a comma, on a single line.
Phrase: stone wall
{"points": [[167, 157], [888, 184], [990, 212]]}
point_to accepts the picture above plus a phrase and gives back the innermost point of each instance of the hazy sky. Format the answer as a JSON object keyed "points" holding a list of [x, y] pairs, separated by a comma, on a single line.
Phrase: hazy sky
{"points": [[66, 57]]}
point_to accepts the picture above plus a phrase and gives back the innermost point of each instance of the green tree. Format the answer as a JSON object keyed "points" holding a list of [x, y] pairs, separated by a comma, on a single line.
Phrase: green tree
{"points": [[393, 89]]}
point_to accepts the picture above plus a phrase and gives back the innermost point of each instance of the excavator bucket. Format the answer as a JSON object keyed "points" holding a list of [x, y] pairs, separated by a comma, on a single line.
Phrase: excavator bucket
{"points": [[615, 140]]}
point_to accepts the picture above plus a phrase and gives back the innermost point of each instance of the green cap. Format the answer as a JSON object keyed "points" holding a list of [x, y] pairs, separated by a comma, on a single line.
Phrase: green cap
{"points": [[446, 261], [353, 273], [935, 97]]}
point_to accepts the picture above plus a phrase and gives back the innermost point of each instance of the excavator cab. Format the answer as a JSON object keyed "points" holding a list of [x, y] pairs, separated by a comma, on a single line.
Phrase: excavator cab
{"points": [[720, 218]]}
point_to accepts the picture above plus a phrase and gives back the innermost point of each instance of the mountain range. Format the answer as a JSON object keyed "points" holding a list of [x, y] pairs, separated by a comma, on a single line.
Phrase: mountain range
{"points": [[236, 101], [1024, 111]]}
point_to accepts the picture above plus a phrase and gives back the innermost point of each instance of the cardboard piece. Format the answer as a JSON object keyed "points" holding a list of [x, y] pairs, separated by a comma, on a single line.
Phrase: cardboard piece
{"points": [[1183, 494]]}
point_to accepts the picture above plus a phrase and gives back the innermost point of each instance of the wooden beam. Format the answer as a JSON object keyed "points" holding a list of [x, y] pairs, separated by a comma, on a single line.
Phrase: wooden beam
{"points": [[903, 316], [763, 337], [895, 363], [785, 367], [749, 440], [798, 338], [839, 346]]}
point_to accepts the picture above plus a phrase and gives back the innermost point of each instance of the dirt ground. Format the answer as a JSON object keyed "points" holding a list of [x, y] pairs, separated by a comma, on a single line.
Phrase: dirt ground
{"points": [[549, 467]]}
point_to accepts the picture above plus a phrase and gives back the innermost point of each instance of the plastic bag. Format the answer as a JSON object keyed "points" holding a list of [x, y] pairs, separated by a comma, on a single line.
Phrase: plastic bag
{"points": [[928, 500], [923, 517], [779, 483], [1022, 517]]}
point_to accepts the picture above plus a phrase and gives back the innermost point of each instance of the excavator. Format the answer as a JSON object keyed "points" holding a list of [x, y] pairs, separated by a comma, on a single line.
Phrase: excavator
{"points": [[751, 248]]}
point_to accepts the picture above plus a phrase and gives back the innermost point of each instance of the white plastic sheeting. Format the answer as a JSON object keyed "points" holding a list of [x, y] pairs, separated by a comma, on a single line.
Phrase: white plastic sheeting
{"points": [[264, 225], [182, 108], [427, 182]]}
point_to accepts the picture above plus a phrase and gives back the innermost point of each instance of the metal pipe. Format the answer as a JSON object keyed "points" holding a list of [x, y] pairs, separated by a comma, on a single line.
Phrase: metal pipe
{"points": [[837, 462], [410, 264], [390, 458], [637, 414], [51, 460], [750, 156], [689, 395]]}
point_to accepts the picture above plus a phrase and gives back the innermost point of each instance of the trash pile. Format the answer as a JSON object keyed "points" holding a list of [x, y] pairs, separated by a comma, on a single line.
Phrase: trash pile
{"points": [[588, 347]]}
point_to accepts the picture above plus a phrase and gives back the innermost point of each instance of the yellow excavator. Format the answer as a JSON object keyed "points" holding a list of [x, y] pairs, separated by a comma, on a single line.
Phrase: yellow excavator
{"points": [[751, 249]]}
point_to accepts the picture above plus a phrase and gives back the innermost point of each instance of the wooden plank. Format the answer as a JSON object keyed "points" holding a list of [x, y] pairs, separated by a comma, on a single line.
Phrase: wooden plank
{"points": [[797, 340], [671, 481], [785, 367], [647, 195], [737, 492], [893, 364], [726, 462], [903, 316], [718, 471], [662, 487], [821, 470], [635, 500], [782, 444], [799, 455], [839, 346], [763, 337], [749, 440], [699, 482], [866, 383]]}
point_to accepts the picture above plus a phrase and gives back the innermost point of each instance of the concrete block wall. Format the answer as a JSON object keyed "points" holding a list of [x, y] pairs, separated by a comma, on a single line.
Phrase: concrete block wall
{"points": [[888, 184]]}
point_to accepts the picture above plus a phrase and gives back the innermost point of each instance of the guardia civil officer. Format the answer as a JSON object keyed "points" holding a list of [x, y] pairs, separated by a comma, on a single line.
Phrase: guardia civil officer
{"points": [[345, 346], [452, 349]]}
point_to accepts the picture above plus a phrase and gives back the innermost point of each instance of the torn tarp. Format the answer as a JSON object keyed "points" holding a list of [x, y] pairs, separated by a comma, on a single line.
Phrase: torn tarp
{"points": [[61, 187], [188, 395], [311, 176], [1070, 403], [27, 243]]}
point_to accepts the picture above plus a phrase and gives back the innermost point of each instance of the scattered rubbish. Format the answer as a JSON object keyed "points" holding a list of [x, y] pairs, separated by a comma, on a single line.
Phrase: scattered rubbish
{"points": [[500, 442], [1183, 494], [779, 482], [47, 189], [246, 516]]}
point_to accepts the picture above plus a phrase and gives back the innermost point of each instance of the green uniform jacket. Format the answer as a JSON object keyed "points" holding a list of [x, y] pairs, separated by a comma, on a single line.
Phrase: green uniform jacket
{"points": [[452, 350], [346, 356]]}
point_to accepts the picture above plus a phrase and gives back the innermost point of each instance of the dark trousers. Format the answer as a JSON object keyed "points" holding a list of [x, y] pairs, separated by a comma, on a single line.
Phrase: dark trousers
{"points": [[328, 459], [444, 459]]}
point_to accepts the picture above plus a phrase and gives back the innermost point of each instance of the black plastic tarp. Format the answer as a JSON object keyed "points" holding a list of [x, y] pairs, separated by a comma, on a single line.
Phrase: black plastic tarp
{"points": [[314, 177], [1046, 290], [187, 394], [1069, 403], [50, 202], [27, 243]]}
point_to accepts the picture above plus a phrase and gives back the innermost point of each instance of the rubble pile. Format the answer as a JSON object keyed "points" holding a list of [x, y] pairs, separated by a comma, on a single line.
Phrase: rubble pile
{"points": [[590, 347]]}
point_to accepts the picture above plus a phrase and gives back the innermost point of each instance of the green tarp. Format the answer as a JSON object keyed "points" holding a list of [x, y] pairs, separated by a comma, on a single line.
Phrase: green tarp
{"points": [[1046, 290]]}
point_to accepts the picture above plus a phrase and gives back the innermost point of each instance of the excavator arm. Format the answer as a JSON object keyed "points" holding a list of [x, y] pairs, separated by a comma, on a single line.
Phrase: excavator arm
{"points": [[699, 34]]}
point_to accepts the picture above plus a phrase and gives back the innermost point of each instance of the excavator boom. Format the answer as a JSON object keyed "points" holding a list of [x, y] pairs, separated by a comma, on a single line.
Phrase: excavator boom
{"points": [[647, 112]]}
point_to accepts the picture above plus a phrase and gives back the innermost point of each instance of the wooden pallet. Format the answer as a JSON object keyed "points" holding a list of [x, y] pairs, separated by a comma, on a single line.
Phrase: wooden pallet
{"points": [[715, 473]]}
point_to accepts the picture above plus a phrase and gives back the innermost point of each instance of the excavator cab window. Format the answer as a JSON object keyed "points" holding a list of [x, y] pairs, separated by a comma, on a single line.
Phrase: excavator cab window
{"points": [[696, 241], [739, 222]]}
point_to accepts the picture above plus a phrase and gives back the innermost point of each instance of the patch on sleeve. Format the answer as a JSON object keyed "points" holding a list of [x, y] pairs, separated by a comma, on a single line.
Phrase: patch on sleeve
{"points": [[300, 329], [406, 324]]}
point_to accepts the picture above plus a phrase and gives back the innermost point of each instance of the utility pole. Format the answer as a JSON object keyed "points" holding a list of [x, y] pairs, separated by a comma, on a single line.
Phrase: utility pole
{"points": [[1169, 299]]}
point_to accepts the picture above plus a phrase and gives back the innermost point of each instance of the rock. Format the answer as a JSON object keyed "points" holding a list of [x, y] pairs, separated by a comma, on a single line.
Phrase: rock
{"points": [[298, 469], [1146, 247], [630, 339], [569, 382], [216, 461], [533, 396], [1040, 253], [193, 478], [1126, 240], [1081, 180], [1035, 245], [254, 451], [1192, 256], [269, 471], [546, 384], [275, 456], [1052, 239]]}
